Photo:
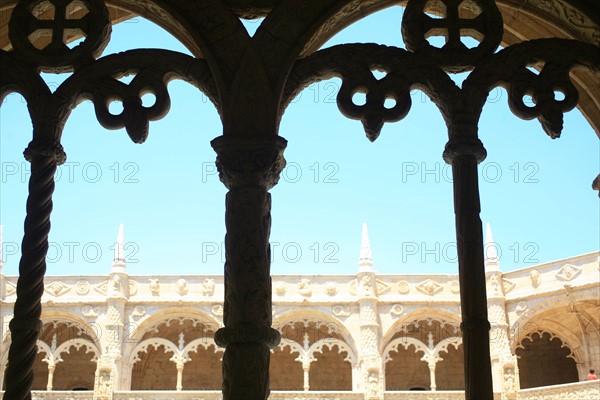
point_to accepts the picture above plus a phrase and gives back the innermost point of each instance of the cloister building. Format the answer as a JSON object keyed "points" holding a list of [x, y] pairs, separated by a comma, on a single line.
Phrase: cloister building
{"points": [[361, 336], [159, 331]]}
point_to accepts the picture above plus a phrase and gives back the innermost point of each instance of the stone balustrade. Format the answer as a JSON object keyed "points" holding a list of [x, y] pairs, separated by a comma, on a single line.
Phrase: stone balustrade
{"points": [[571, 391], [578, 390]]}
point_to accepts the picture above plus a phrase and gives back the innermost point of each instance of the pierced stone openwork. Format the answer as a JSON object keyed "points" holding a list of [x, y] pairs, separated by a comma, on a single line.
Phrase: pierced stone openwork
{"points": [[307, 350], [417, 350], [61, 21], [251, 80], [184, 350]]}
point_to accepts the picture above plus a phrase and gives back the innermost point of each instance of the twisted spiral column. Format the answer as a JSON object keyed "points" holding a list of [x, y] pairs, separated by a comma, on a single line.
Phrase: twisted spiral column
{"points": [[26, 324], [248, 168]]}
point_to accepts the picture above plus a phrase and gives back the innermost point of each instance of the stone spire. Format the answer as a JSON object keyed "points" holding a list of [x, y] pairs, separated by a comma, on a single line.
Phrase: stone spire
{"points": [[365, 262], [119, 262], [492, 262]]}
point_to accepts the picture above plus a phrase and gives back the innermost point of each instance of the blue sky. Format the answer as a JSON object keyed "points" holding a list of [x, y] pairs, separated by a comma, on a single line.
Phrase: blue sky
{"points": [[536, 192]]}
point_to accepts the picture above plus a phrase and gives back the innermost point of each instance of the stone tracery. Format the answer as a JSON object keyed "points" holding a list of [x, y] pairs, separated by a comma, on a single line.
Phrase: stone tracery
{"points": [[250, 159]]}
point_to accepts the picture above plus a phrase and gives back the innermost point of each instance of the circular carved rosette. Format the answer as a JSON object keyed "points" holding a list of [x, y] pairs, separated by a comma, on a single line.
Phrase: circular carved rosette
{"points": [[39, 31], [453, 20]]}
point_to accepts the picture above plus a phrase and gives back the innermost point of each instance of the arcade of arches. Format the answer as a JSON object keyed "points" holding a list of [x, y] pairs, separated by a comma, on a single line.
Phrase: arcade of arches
{"points": [[540, 335], [541, 49]]}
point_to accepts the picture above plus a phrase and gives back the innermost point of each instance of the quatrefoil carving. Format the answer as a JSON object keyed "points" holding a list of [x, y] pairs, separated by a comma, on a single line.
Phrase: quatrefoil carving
{"points": [[485, 26], [57, 56], [373, 114], [542, 88]]}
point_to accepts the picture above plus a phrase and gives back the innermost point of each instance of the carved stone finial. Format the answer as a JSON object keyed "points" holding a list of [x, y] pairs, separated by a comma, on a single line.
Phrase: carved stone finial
{"points": [[365, 262], [244, 162], [492, 262], [119, 262]]}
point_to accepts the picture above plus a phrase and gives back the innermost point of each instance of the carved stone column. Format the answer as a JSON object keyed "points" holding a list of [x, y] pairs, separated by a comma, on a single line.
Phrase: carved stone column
{"points": [[504, 363], [464, 151], [248, 168], [432, 382], [51, 369], [44, 154]]}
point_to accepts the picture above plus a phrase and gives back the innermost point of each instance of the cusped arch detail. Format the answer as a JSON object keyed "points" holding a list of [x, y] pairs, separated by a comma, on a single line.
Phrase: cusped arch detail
{"points": [[143, 347], [534, 308], [330, 343], [572, 343], [320, 317], [442, 316], [168, 314], [404, 342], [53, 356]]}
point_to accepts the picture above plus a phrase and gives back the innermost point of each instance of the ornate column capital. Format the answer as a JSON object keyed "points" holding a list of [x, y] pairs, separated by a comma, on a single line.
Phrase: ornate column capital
{"points": [[462, 130], [249, 162], [41, 148]]}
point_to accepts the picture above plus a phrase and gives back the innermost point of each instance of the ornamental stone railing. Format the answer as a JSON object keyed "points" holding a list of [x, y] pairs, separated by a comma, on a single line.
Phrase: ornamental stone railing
{"points": [[570, 391], [428, 395], [63, 395]]}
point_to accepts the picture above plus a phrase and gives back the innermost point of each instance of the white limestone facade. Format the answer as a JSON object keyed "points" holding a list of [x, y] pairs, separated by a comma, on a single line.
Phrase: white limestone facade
{"points": [[362, 336]]}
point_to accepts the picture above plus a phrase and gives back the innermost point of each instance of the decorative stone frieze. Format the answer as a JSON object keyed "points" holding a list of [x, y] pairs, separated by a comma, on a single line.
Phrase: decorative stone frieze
{"points": [[429, 287], [568, 272]]}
